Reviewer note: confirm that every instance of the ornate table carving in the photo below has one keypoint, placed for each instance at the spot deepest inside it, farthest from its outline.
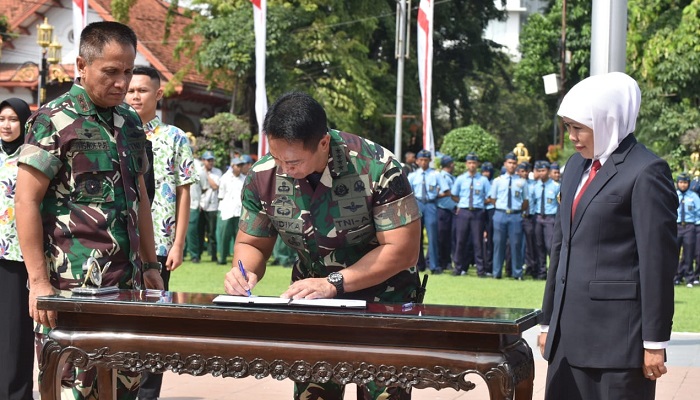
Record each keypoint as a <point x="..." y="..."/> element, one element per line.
<point x="426" y="346"/>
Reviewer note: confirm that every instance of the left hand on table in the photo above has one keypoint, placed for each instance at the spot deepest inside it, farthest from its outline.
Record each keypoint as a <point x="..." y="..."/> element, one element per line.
<point x="310" y="288"/>
<point x="153" y="280"/>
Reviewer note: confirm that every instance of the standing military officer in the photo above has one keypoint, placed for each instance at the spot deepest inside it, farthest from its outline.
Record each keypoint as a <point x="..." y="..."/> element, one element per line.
<point x="528" y="246"/>
<point x="546" y="206"/>
<point x="470" y="192"/>
<point x="428" y="186"/>
<point x="488" y="172"/>
<point x="446" y="212"/>
<point x="510" y="194"/>
<point x="80" y="187"/>
<point x="343" y="203"/>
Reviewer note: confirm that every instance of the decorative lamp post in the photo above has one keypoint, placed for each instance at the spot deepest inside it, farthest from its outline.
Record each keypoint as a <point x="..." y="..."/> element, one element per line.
<point x="44" y="35"/>
<point x="54" y="54"/>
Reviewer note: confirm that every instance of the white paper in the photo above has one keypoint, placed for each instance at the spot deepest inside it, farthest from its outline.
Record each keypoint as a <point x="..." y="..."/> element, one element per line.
<point x="336" y="303"/>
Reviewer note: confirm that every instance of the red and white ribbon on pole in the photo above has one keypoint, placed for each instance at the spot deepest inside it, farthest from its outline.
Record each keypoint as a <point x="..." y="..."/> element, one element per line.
<point x="425" y="68"/>
<point x="260" y="24"/>
<point x="80" y="9"/>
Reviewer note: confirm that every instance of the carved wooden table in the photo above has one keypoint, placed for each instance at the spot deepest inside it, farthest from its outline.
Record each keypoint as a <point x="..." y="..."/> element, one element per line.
<point x="408" y="346"/>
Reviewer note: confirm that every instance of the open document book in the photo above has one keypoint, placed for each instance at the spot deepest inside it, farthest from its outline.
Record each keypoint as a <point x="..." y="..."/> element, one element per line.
<point x="278" y="301"/>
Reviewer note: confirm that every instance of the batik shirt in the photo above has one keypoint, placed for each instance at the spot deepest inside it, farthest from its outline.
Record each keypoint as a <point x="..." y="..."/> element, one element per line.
<point x="92" y="158"/>
<point x="173" y="166"/>
<point x="361" y="192"/>
<point x="9" y="245"/>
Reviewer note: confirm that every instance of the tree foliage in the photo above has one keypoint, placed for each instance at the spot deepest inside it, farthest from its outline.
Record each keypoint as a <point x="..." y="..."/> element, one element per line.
<point x="473" y="138"/>
<point x="664" y="54"/>
<point x="220" y="134"/>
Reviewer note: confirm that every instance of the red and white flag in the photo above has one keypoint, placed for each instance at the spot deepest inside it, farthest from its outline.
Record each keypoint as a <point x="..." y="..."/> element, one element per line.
<point x="260" y="25"/>
<point x="80" y="9"/>
<point x="425" y="68"/>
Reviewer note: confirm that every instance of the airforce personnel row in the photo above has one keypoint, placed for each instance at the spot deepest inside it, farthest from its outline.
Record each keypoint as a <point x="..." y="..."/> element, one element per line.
<point x="688" y="228"/>
<point x="513" y="214"/>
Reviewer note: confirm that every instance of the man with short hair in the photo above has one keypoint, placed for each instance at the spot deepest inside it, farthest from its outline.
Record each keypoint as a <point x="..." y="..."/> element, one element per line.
<point x="470" y="191"/>
<point x="173" y="173"/>
<point x="509" y="193"/>
<point x="230" y="188"/>
<point x="428" y="186"/>
<point x="343" y="203"/>
<point x="445" y="214"/>
<point x="80" y="189"/>
<point x="546" y="206"/>
<point x="209" y="203"/>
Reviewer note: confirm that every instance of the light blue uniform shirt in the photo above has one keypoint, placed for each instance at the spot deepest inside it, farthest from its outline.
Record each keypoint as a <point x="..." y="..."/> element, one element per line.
<point x="691" y="202"/>
<point x="518" y="189"/>
<point x="531" y="183"/>
<point x="446" y="202"/>
<point x="434" y="184"/>
<point x="551" y="192"/>
<point x="461" y="188"/>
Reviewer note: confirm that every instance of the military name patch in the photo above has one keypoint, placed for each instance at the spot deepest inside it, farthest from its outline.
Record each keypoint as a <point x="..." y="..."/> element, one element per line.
<point x="288" y="224"/>
<point x="89" y="145"/>
<point x="345" y="223"/>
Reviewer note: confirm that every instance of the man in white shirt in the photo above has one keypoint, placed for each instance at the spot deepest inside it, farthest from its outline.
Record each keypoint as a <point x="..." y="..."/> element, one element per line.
<point x="230" y="188"/>
<point x="209" y="203"/>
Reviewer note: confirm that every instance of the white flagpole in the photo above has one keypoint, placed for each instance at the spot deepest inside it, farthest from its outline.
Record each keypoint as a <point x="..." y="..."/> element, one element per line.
<point x="425" y="68"/>
<point x="80" y="8"/>
<point x="260" y="24"/>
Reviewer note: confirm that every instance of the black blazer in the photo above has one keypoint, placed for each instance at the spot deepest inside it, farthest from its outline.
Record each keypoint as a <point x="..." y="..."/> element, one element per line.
<point x="610" y="282"/>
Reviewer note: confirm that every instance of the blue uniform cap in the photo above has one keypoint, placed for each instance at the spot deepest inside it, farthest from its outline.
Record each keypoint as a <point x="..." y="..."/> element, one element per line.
<point x="524" y="166"/>
<point x="487" y="166"/>
<point x="472" y="157"/>
<point x="511" y="156"/>
<point x="446" y="160"/>
<point x="236" y="161"/>
<point x="246" y="159"/>
<point x="554" y="166"/>
<point x="424" y="154"/>
<point x="541" y="164"/>
<point x="208" y="155"/>
<point x="683" y="177"/>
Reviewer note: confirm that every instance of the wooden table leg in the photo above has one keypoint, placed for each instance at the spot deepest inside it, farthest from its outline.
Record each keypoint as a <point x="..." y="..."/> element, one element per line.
<point x="106" y="383"/>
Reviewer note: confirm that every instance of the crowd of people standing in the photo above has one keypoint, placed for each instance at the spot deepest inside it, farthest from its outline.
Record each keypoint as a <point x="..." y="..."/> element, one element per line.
<point x="482" y="221"/>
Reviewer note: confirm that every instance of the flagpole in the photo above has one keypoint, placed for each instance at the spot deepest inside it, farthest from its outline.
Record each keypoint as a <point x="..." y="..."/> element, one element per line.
<point x="401" y="54"/>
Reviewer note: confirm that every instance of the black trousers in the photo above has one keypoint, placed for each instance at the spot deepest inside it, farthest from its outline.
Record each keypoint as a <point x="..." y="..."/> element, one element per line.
<point x="16" y="333"/>
<point x="567" y="382"/>
<point x="151" y="383"/>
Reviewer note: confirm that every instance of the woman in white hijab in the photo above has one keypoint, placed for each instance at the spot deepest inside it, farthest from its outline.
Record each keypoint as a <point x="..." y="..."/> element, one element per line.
<point x="608" y="302"/>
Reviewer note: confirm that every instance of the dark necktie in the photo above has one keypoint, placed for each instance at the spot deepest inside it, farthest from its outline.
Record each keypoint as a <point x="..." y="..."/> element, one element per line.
<point x="510" y="202"/>
<point x="594" y="170"/>
<point x="471" y="194"/>
<point x="424" y="194"/>
<point x="542" y="201"/>
<point x="683" y="208"/>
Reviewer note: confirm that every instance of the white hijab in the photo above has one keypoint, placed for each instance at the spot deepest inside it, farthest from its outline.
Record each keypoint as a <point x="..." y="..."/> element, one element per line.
<point x="608" y="104"/>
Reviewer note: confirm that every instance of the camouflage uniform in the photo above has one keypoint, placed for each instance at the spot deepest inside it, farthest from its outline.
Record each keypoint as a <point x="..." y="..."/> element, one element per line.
<point x="361" y="191"/>
<point x="93" y="159"/>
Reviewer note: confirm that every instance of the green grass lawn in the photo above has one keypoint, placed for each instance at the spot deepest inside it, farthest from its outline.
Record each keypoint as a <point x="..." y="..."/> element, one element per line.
<point x="208" y="277"/>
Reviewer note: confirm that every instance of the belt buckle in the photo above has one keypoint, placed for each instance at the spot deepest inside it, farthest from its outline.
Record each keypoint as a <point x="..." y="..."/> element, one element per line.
<point x="509" y="211"/>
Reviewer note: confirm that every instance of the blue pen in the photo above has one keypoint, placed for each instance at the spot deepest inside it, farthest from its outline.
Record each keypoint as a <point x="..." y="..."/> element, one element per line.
<point x="245" y="276"/>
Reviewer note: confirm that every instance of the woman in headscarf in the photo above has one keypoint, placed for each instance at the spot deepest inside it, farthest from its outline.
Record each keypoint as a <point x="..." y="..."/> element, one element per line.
<point x="608" y="302"/>
<point x="16" y="337"/>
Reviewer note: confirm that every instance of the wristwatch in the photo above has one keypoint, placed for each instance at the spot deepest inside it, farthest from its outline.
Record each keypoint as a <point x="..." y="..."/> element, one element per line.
<point x="336" y="279"/>
<point x="151" y="265"/>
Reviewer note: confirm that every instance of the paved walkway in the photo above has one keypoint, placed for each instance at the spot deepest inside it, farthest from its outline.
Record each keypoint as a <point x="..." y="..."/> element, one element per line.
<point x="679" y="384"/>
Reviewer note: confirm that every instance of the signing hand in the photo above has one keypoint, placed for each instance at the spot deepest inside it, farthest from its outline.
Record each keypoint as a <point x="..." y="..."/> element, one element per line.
<point x="153" y="280"/>
<point x="236" y="284"/>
